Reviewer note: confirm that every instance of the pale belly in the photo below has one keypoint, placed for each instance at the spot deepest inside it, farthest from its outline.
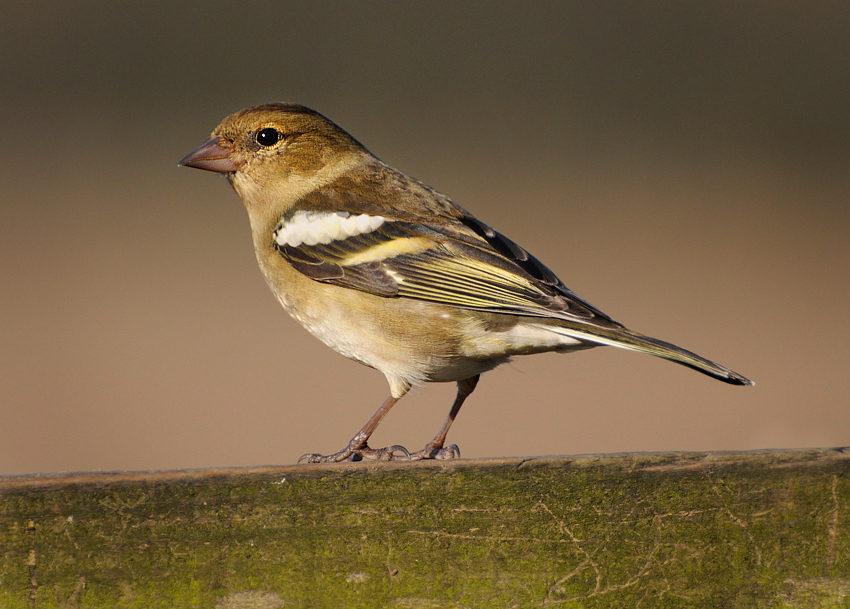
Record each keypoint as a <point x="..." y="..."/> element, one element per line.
<point x="410" y="341"/>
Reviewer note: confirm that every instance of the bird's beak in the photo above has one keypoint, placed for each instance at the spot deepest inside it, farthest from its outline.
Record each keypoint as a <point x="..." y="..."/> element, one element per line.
<point x="212" y="156"/>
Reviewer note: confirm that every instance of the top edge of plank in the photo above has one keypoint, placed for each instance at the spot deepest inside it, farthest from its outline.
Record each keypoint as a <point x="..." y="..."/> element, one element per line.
<point x="638" y="461"/>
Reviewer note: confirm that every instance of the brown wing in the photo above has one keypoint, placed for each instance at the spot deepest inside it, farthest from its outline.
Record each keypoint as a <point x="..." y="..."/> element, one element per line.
<point x="463" y="264"/>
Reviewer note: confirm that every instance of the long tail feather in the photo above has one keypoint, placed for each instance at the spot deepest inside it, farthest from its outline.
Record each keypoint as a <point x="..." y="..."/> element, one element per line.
<point x="627" y="339"/>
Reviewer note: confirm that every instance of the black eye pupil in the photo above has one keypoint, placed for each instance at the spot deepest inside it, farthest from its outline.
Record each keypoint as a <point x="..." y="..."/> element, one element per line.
<point x="268" y="136"/>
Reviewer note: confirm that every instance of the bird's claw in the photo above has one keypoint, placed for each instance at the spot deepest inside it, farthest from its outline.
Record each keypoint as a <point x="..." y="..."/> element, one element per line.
<point x="450" y="452"/>
<point x="390" y="451"/>
<point x="436" y="452"/>
<point x="359" y="454"/>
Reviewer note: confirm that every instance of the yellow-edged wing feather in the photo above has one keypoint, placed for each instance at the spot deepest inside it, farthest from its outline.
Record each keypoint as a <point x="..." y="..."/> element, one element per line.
<point x="467" y="264"/>
<point x="450" y="265"/>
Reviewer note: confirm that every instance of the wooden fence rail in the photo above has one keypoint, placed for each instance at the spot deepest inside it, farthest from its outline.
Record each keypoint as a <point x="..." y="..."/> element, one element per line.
<point x="725" y="530"/>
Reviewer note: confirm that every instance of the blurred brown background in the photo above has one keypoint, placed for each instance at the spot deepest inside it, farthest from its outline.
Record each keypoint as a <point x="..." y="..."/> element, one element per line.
<point x="683" y="166"/>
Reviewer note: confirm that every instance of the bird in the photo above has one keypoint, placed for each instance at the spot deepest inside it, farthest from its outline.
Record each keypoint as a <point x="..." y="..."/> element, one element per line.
<point x="389" y="272"/>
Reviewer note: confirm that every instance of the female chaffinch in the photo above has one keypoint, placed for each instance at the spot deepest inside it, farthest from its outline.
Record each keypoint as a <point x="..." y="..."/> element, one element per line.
<point x="391" y="273"/>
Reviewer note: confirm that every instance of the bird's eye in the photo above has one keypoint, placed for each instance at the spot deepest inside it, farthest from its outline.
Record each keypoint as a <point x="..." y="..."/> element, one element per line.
<point x="268" y="136"/>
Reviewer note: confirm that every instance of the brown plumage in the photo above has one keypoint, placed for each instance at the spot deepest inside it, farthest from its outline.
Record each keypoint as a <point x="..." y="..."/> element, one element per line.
<point x="393" y="274"/>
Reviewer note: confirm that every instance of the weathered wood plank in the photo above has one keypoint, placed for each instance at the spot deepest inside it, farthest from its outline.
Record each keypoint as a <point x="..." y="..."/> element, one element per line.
<point x="758" y="529"/>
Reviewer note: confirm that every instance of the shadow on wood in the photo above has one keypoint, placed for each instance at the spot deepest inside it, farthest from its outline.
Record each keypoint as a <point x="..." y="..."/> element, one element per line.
<point x="757" y="529"/>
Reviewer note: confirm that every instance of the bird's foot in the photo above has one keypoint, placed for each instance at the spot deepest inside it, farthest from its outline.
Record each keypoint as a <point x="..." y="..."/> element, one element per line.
<point x="359" y="453"/>
<point x="436" y="452"/>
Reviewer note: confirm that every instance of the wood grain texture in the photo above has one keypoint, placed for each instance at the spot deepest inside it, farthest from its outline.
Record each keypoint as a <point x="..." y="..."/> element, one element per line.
<point x="757" y="529"/>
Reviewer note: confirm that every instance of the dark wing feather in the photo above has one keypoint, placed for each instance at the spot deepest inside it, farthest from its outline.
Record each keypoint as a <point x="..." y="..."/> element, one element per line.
<point x="463" y="264"/>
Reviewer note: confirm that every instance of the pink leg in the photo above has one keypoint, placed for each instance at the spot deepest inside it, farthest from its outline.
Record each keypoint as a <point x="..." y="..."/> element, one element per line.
<point x="358" y="447"/>
<point x="434" y="449"/>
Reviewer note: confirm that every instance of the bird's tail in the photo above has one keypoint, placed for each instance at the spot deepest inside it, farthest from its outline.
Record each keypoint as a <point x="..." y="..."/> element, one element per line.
<point x="634" y="341"/>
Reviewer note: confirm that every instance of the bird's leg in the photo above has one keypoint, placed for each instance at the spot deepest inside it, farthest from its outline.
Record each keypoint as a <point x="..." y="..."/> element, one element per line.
<point x="358" y="447"/>
<point x="434" y="449"/>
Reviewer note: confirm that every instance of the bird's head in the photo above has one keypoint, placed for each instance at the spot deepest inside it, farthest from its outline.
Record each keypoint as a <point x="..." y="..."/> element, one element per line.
<point x="279" y="150"/>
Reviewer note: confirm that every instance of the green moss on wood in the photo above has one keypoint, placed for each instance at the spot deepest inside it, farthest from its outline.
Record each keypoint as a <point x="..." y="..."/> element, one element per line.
<point x="763" y="529"/>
